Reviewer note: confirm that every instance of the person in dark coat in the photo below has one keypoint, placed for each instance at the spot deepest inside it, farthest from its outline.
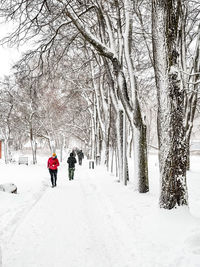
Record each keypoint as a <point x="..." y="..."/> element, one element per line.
<point x="71" y="166"/>
<point x="52" y="165"/>
<point x="80" y="156"/>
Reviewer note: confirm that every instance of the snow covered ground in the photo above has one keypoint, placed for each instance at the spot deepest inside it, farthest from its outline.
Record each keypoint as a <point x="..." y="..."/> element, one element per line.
<point x="94" y="220"/>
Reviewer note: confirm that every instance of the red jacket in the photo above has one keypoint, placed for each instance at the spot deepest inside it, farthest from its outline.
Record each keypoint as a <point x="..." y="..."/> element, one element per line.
<point x="52" y="163"/>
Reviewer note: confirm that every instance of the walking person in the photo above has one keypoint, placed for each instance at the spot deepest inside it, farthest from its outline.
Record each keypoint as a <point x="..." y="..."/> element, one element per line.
<point x="52" y="165"/>
<point x="80" y="156"/>
<point x="71" y="166"/>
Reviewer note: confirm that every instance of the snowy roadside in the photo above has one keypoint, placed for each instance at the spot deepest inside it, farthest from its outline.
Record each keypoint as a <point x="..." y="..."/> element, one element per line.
<point x="100" y="218"/>
<point x="31" y="182"/>
<point x="157" y="237"/>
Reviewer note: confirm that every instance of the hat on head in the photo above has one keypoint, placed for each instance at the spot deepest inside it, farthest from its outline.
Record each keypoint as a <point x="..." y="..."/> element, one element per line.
<point x="54" y="154"/>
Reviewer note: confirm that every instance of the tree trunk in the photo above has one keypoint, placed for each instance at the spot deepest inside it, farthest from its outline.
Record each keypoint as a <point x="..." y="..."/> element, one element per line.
<point x="171" y="131"/>
<point x="188" y="153"/>
<point x="98" y="145"/>
<point x="61" y="147"/>
<point x="116" y="162"/>
<point x="111" y="163"/>
<point x="140" y="150"/>
<point x="92" y="138"/>
<point x="108" y="127"/>
<point x="140" y="142"/>
<point x="33" y="146"/>
<point x="6" y="150"/>
<point x="52" y="143"/>
<point x="191" y="100"/>
<point x="140" y="159"/>
<point x="119" y="130"/>
<point x="125" y="162"/>
<point x="34" y="150"/>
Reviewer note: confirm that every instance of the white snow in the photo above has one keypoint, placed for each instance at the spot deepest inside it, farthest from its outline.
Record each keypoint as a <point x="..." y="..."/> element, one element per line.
<point x="94" y="220"/>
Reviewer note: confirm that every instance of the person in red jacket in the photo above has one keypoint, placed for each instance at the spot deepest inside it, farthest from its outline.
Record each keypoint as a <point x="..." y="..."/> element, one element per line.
<point x="52" y="165"/>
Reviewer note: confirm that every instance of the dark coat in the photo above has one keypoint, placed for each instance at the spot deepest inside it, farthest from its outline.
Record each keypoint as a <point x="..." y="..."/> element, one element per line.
<point x="71" y="161"/>
<point x="80" y="154"/>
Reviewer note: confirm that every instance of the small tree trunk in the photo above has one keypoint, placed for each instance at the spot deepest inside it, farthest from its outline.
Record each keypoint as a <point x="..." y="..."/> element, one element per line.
<point x="6" y="153"/>
<point x="92" y="136"/>
<point x="116" y="162"/>
<point x="140" y="159"/>
<point x="188" y="154"/>
<point x="125" y="162"/>
<point x="98" y="145"/>
<point x="108" y="139"/>
<point x="61" y="148"/>
<point x="112" y="157"/>
<point x="34" y="149"/>
<point x="119" y="130"/>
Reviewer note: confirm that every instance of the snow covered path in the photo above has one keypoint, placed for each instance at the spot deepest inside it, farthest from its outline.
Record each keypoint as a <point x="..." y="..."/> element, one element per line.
<point x="95" y="221"/>
<point x="69" y="226"/>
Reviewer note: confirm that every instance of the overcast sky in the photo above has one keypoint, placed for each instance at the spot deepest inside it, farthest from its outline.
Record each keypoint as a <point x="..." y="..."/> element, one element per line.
<point x="8" y="55"/>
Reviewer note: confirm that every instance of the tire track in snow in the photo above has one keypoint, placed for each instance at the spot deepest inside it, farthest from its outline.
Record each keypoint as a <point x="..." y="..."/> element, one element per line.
<point x="109" y="232"/>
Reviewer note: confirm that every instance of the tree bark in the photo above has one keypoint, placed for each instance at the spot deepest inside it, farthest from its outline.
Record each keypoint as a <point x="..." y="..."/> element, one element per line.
<point x="140" y="142"/>
<point x="33" y="145"/>
<point x="166" y="16"/>
<point x="191" y="99"/>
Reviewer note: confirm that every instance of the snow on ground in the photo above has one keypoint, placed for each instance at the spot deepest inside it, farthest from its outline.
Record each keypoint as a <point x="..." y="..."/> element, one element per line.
<point x="94" y="220"/>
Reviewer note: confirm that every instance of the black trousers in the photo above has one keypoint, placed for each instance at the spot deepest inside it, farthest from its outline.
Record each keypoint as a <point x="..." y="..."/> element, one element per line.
<point x="80" y="161"/>
<point x="53" y="174"/>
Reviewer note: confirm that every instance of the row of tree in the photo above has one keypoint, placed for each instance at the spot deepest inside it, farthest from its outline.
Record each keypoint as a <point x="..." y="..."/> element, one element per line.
<point x="102" y="71"/>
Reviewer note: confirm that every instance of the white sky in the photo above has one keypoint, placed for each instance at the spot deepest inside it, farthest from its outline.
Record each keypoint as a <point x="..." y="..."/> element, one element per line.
<point x="8" y="55"/>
